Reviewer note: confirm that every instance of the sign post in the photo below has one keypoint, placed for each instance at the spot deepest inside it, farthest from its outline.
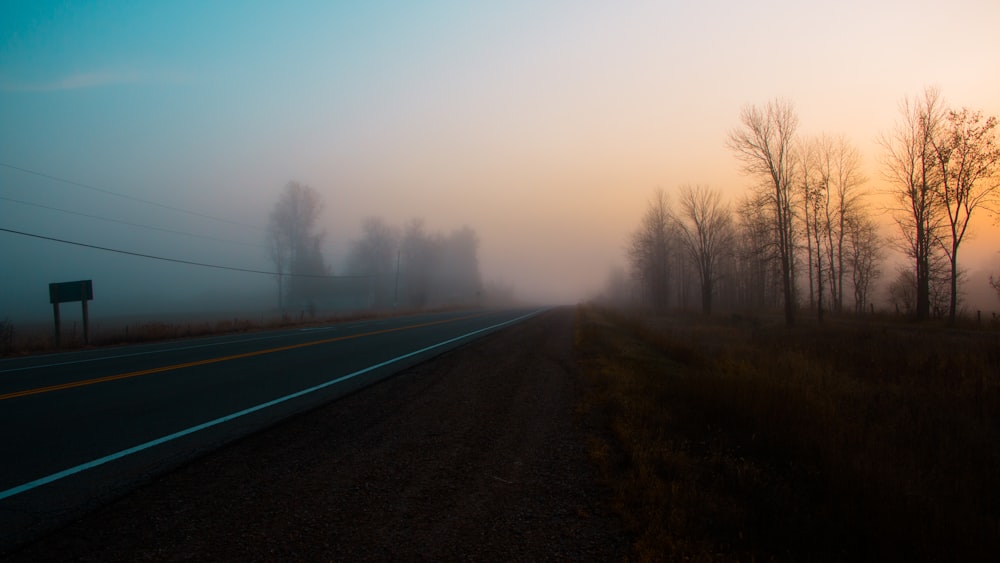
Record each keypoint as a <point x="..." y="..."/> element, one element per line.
<point x="64" y="292"/>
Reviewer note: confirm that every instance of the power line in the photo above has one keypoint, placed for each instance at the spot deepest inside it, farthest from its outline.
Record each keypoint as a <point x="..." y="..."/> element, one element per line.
<point x="179" y="261"/>
<point x="125" y="196"/>
<point x="150" y="227"/>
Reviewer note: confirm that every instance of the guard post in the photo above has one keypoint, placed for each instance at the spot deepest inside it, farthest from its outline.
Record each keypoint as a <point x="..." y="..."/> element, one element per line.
<point x="65" y="292"/>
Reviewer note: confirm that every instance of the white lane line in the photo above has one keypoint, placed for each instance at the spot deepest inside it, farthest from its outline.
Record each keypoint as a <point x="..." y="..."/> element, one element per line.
<point x="169" y="437"/>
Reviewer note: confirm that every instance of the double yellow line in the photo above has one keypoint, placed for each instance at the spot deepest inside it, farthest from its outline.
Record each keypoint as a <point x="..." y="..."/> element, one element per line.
<point x="105" y="379"/>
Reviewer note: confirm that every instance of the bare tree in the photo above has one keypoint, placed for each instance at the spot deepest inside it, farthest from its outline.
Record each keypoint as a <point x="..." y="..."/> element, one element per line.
<point x="818" y="202"/>
<point x="458" y="279"/>
<point x="375" y="256"/>
<point x="967" y="155"/>
<point x="903" y="291"/>
<point x="706" y="233"/>
<point x="617" y="289"/>
<point x="649" y="252"/>
<point x="909" y="164"/>
<point x="864" y="256"/>
<point x="755" y="264"/>
<point x="764" y="145"/>
<point x="293" y="241"/>
<point x="841" y="163"/>
<point x="808" y="185"/>
<point x="279" y="248"/>
<point x="417" y="267"/>
<point x="419" y="251"/>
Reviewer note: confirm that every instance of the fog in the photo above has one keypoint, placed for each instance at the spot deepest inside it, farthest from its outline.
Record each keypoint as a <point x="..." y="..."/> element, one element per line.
<point x="545" y="129"/>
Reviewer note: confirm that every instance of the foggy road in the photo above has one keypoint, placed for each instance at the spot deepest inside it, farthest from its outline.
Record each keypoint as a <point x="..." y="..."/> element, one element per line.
<point x="79" y="428"/>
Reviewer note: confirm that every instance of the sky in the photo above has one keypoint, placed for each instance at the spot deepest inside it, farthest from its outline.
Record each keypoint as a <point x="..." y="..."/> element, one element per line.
<point x="545" y="126"/>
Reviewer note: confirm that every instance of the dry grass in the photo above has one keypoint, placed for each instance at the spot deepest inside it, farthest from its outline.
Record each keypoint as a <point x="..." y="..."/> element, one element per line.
<point x="40" y="338"/>
<point x="6" y="336"/>
<point x="735" y="441"/>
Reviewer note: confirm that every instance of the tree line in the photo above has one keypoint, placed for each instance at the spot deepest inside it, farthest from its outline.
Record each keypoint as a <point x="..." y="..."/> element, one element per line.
<point x="807" y="218"/>
<point x="386" y="266"/>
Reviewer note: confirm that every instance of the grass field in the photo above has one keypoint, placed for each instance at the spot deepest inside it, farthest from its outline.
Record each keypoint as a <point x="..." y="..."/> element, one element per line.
<point x="39" y="338"/>
<point x="728" y="440"/>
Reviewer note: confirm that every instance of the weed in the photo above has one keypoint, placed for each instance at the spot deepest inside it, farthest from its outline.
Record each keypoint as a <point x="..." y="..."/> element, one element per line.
<point x="6" y="336"/>
<point x="39" y="339"/>
<point x="816" y="443"/>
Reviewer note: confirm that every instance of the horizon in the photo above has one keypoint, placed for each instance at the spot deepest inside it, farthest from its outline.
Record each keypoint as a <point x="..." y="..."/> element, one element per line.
<point x="545" y="128"/>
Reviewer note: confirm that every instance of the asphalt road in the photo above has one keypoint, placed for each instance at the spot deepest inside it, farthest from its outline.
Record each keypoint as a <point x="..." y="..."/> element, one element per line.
<point x="79" y="429"/>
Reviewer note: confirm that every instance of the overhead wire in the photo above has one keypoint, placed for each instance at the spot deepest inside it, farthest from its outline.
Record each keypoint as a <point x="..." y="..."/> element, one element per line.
<point x="180" y="261"/>
<point x="140" y="225"/>
<point x="129" y="197"/>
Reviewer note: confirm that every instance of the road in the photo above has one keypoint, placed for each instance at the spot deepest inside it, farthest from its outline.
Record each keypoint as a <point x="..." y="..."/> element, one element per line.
<point x="77" y="429"/>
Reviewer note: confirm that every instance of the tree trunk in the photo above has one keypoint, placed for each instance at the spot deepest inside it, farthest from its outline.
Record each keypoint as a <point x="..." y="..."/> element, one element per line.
<point x="953" y="305"/>
<point x="819" y="290"/>
<point x="706" y="297"/>
<point x="923" y="275"/>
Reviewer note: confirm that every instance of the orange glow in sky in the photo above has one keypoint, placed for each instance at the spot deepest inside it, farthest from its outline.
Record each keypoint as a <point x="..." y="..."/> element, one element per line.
<point x="546" y="126"/>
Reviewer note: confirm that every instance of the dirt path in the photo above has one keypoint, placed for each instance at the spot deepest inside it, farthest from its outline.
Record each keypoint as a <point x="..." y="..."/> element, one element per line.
<point x="476" y="455"/>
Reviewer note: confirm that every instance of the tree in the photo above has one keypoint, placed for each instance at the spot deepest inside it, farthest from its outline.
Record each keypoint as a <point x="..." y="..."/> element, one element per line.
<point x="909" y="164"/>
<point x="813" y="173"/>
<point x="706" y="233"/>
<point x="967" y="154"/>
<point x="617" y="290"/>
<point x="903" y="291"/>
<point x="310" y="275"/>
<point x="809" y="186"/>
<point x="828" y="181"/>
<point x="764" y="145"/>
<point x="649" y="252"/>
<point x="458" y="279"/>
<point x="375" y="256"/>
<point x="419" y="252"/>
<point x="416" y="267"/>
<point x="294" y="243"/>
<point x="864" y="256"/>
<point x="841" y="165"/>
<point x="756" y="260"/>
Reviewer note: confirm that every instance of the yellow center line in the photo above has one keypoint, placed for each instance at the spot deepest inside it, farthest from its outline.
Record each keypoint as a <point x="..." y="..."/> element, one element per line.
<point x="85" y="382"/>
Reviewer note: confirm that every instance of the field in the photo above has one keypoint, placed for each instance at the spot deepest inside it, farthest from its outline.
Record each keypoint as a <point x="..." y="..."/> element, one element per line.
<point x="731" y="439"/>
<point x="114" y="331"/>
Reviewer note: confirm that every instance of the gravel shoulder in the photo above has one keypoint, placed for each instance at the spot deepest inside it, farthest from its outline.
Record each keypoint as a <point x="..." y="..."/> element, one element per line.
<point x="476" y="455"/>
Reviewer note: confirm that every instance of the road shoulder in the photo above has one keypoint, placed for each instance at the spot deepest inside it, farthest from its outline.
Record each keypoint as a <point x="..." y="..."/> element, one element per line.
<point x="475" y="455"/>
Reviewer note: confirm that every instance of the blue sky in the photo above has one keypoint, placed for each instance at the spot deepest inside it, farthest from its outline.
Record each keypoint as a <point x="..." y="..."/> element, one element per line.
<point x="544" y="125"/>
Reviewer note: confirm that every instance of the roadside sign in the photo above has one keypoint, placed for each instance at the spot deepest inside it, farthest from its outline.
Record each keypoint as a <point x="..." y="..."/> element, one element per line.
<point x="64" y="292"/>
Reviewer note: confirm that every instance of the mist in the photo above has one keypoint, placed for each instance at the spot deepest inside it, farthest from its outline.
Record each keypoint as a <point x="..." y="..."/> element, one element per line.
<point x="170" y="132"/>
